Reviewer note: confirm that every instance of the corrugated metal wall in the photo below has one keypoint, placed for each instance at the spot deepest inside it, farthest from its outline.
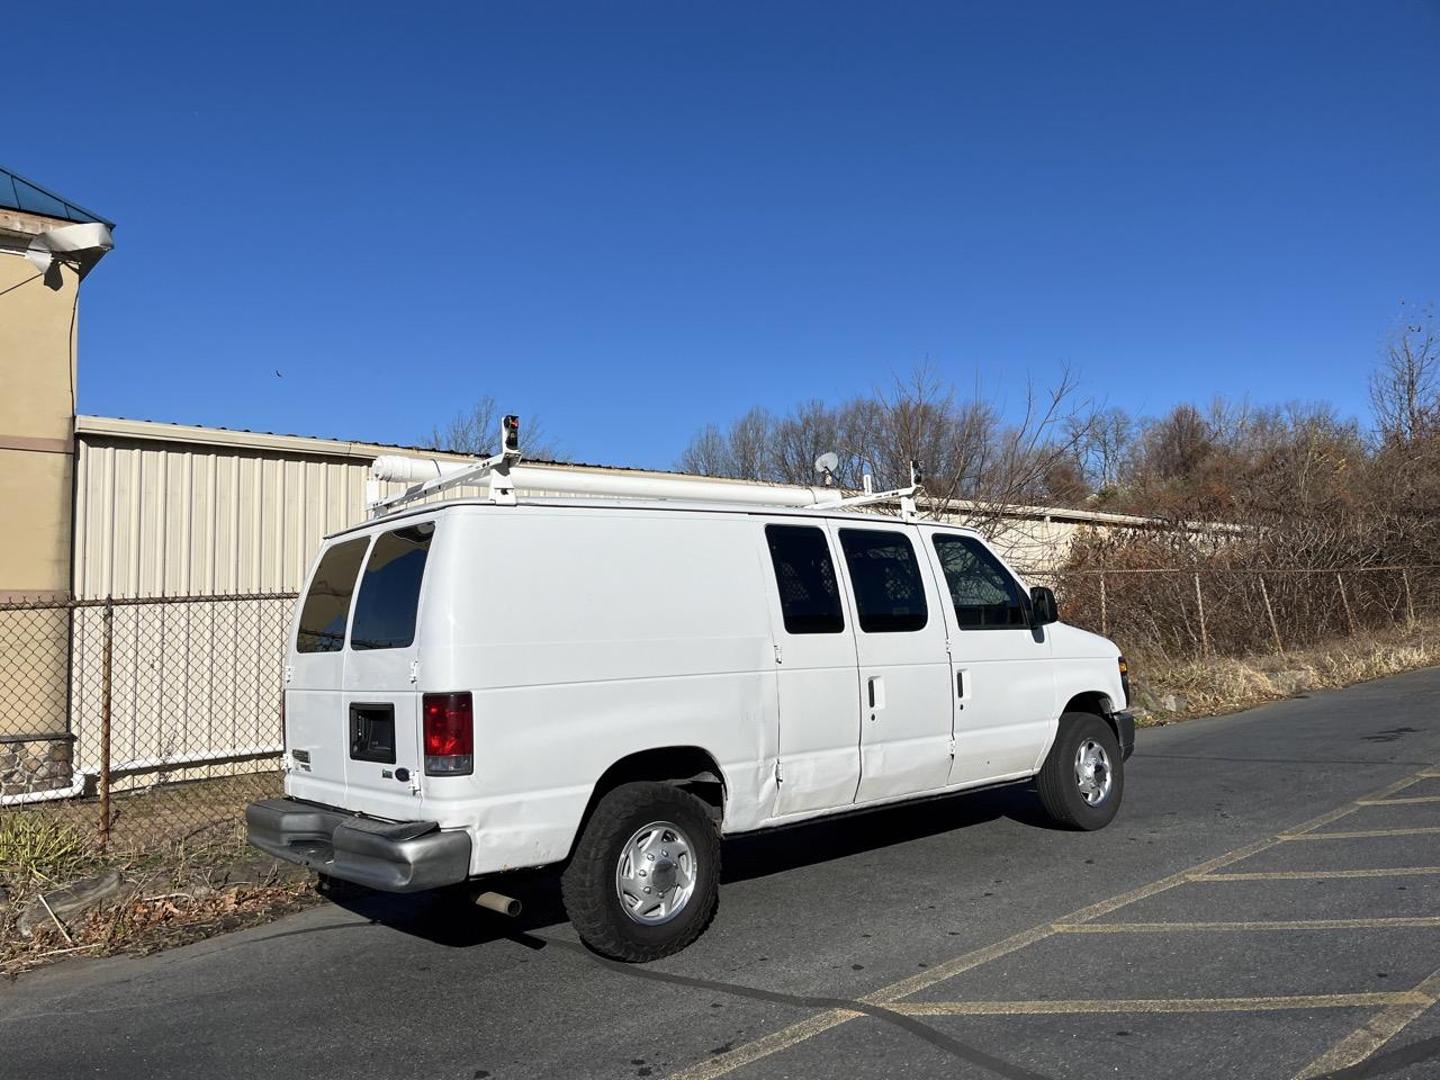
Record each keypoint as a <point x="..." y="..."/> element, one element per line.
<point x="161" y="518"/>
<point x="167" y="519"/>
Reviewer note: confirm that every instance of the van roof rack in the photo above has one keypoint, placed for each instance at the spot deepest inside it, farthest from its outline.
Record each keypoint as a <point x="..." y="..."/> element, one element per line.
<point x="502" y="473"/>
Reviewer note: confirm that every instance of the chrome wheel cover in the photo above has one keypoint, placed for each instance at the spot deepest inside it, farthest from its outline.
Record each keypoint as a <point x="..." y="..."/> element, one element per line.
<point x="656" y="873"/>
<point x="1093" y="774"/>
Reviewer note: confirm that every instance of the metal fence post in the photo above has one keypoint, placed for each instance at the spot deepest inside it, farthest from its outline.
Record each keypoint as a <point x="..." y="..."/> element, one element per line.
<point x="1104" y="611"/>
<point x="106" y="681"/>
<point x="1204" y="633"/>
<point x="1270" y="613"/>
<point x="1409" y="603"/>
<point x="1349" y="615"/>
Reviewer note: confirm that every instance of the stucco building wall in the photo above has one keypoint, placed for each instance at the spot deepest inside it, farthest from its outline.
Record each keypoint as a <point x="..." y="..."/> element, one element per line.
<point x="37" y="381"/>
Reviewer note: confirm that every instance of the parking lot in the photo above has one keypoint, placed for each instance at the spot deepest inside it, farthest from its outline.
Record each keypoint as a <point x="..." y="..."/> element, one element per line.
<point x="1267" y="905"/>
<point x="1294" y="929"/>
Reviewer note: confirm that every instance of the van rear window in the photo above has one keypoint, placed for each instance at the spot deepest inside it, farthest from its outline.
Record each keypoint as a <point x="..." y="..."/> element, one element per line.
<point x="327" y="604"/>
<point x="390" y="590"/>
<point x="809" y="597"/>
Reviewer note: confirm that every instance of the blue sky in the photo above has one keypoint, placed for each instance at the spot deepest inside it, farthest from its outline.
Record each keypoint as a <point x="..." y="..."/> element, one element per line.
<point x="635" y="218"/>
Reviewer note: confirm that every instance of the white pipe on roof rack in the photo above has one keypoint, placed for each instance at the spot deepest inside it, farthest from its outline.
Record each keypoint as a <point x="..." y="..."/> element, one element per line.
<point x="624" y="485"/>
<point x="563" y="481"/>
<point x="413" y="470"/>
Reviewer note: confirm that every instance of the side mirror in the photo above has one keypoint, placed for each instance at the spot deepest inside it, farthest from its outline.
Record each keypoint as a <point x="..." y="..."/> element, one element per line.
<point x="1043" y="610"/>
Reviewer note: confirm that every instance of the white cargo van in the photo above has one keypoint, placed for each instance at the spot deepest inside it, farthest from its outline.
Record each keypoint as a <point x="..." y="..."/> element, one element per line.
<point x="479" y="686"/>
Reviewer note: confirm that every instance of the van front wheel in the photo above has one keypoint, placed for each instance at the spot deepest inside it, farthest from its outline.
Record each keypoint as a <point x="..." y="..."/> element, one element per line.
<point x="645" y="879"/>
<point x="1083" y="778"/>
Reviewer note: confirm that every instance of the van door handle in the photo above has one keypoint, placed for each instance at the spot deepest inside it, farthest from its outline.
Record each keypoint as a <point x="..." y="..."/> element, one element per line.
<point x="875" y="688"/>
<point x="959" y="684"/>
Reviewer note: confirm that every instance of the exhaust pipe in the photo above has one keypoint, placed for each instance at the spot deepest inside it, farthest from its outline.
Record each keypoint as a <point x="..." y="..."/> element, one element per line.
<point x="505" y="905"/>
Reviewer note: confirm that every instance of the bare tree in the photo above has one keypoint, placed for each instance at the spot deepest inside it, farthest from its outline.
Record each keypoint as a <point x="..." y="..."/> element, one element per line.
<point x="969" y="456"/>
<point x="994" y="467"/>
<point x="1103" y="442"/>
<point x="1405" y="391"/>
<point x="743" y="451"/>
<point x="1177" y="445"/>
<point x="751" y="449"/>
<point x="708" y="453"/>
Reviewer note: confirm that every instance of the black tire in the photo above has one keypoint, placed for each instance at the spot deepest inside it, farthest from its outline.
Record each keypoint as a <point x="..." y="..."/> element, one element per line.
<point x="1058" y="784"/>
<point x="589" y="883"/>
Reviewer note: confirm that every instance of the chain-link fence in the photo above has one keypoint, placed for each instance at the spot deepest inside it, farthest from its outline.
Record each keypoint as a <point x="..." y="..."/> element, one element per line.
<point x="152" y="721"/>
<point x="1187" y="614"/>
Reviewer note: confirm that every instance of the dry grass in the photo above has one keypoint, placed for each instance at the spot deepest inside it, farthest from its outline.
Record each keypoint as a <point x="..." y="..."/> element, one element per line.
<point x="1224" y="684"/>
<point x="205" y="881"/>
<point x="40" y="847"/>
<point x="181" y="896"/>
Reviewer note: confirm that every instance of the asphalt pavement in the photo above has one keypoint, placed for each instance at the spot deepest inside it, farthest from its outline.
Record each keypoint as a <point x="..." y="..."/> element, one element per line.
<point x="1267" y="904"/>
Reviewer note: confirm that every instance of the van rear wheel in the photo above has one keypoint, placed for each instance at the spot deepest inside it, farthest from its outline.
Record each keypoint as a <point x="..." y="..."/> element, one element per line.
<point x="1083" y="778"/>
<point x="645" y="878"/>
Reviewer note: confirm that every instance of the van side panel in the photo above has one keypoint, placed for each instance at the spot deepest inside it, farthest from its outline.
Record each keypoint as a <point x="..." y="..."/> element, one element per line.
<point x="587" y="636"/>
<point x="1084" y="663"/>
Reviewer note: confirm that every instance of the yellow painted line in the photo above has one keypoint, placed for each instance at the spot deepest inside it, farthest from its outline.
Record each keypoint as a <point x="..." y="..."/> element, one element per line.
<point x="1310" y="875"/>
<point x="810" y="1027"/>
<point x="1374" y="1033"/>
<point x="1418" y="922"/>
<point x="1409" y="800"/>
<point x="766" y="1045"/>
<point x="1406" y="998"/>
<point x="1363" y="834"/>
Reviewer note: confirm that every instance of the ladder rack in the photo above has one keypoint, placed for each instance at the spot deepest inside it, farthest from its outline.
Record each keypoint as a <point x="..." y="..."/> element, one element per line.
<point x="501" y="475"/>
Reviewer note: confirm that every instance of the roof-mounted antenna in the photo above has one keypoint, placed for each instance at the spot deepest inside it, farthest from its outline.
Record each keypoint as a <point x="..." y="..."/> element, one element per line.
<point x="825" y="465"/>
<point x="434" y="477"/>
<point x="905" y="495"/>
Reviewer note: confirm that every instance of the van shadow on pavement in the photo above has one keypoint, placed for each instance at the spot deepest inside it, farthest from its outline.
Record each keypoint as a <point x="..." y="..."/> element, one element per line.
<point x="447" y="917"/>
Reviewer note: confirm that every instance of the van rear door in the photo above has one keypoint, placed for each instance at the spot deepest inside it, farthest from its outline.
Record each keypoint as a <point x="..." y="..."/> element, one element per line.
<point x="314" y="736"/>
<point x="381" y="702"/>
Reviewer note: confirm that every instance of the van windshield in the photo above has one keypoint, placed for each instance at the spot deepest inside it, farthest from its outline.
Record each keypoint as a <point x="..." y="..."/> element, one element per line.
<point x="327" y="604"/>
<point x="390" y="591"/>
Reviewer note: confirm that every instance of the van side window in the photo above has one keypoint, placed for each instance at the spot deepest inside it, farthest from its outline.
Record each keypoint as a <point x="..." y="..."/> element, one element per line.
<point x="390" y="590"/>
<point x="805" y="575"/>
<point x="327" y="604"/>
<point x="985" y="596"/>
<point x="889" y="592"/>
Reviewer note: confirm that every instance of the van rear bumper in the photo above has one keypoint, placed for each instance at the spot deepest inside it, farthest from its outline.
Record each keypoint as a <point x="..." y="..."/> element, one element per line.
<point x="392" y="856"/>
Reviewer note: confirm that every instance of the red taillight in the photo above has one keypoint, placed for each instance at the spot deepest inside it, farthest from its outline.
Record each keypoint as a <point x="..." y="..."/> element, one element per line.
<point x="449" y="734"/>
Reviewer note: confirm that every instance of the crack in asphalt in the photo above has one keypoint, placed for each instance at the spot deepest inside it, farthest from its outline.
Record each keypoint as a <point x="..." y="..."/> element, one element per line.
<point x="908" y="1024"/>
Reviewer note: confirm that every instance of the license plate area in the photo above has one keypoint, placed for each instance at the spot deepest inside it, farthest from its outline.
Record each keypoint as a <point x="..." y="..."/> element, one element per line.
<point x="372" y="733"/>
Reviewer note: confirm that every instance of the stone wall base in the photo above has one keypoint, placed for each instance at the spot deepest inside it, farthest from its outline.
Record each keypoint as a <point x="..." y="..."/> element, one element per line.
<point x="35" y="763"/>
